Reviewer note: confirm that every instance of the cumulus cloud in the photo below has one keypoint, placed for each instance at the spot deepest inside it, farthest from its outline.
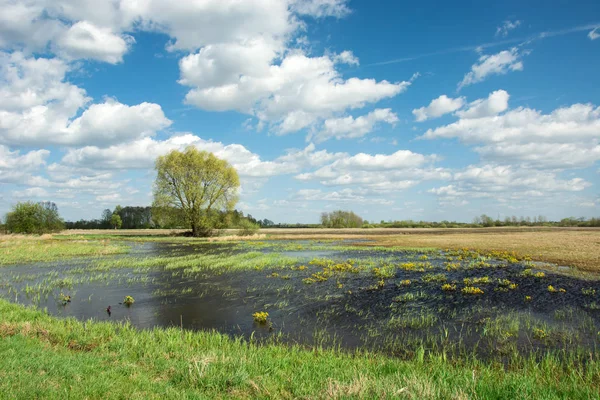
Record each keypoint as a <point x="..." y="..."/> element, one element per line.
<point x="292" y="95"/>
<point x="496" y="103"/>
<point x="14" y="166"/>
<point x="379" y="173"/>
<point x="341" y="196"/>
<point x="568" y="137"/>
<point x="321" y="8"/>
<point x="37" y="107"/>
<point x="142" y="153"/>
<point x="84" y="40"/>
<point x="350" y="127"/>
<point x="241" y="55"/>
<point x="505" y="184"/>
<point x="495" y="64"/>
<point x="438" y="107"/>
<point x="506" y="27"/>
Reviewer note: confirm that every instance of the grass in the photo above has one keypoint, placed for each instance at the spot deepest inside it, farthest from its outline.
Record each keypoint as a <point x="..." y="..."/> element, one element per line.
<point x="30" y="249"/>
<point x="45" y="357"/>
<point x="578" y="248"/>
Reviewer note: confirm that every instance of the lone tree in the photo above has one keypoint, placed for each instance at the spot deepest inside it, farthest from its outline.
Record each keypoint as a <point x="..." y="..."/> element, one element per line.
<point x="115" y="221"/>
<point x="197" y="183"/>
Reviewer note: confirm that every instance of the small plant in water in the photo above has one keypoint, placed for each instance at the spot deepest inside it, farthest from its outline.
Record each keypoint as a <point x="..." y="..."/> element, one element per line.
<point x="405" y="282"/>
<point x="528" y="272"/>
<point x="65" y="298"/>
<point x="260" y="317"/>
<point x="480" y="280"/>
<point x="588" y="291"/>
<point x="447" y="287"/>
<point x="128" y="300"/>
<point x="527" y="299"/>
<point x="539" y="334"/>
<point x="552" y="289"/>
<point x="434" y="278"/>
<point x="471" y="290"/>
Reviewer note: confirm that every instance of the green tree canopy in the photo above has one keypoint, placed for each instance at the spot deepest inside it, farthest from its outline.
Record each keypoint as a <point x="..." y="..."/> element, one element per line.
<point x="197" y="183"/>
<point x="115" y="221"/>
<point x="31" y="217"/>
<point x="341" y="219"/>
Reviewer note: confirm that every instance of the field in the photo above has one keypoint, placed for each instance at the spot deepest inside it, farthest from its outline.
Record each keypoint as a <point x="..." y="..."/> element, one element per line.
<point x="490" y="313"/>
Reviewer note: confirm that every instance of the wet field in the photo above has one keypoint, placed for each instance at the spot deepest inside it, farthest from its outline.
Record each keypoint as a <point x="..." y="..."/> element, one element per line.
<point x="333" y="294"/>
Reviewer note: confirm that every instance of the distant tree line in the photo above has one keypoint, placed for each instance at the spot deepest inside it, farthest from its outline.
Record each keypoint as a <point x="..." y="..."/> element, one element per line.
<point x="132" y="217"/>
<point x="487" y="221"/>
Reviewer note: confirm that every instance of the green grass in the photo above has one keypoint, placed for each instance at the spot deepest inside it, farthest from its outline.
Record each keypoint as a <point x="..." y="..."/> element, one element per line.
<point x="202" y="262"/>
<point x="46" y="357"/>
<point x="15" y="251"/>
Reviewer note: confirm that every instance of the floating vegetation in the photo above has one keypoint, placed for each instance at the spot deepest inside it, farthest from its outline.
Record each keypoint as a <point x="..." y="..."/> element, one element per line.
<point x="476" y="281"/>
<point x="552" y="289"/>
<point x="471" y="290"/>
<point x="529" y="273"/>
<point x="588" y="291"/>
<point x="261" y="317"/>
<point x="448" y="287"/>
<point x="65" y="298"/>
<point x="527" y="299"/>
<point x="429" y="278"/>
<point x="128" y="300"/>
<point x="405" y="282"/>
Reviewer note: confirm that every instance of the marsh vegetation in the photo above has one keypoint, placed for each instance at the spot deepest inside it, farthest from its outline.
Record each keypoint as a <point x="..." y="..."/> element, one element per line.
<point x="448" y="308"/>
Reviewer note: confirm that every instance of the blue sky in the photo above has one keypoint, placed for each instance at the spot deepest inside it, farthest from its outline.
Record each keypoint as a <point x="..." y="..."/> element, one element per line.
<point x="433" y="111"/>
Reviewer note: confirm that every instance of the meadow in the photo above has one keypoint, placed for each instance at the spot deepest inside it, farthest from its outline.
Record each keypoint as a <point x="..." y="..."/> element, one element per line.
<point x="496" y="313"/>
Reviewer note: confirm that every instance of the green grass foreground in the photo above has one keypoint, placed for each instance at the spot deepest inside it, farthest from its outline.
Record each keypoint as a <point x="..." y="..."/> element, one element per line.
<point x="47" y="357"/>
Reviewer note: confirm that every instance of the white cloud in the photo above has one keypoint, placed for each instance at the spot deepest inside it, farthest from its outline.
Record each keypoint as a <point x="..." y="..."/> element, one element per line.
<point x="350" y="127"/>
<point x="506" y="27"/>
<point x="113" y="122"/>
<point x="340" y="196"/>
<point x="496" y="103"/>
<point x="568" y="137"/>
<point x="347" y="57"/>
<point x="29" y="161"/>
<point x="14" y="167"/>
<point x="593" y="35"/>
<point x="84" y="40"/>
<point x="495" y="64"/>
<point x="575" y="122"/>
<point x="378" y="173"/>
<point x="293" y="95"/>
<point x="438" y="107"/>
<point x="33" y="192"/>
<point x="38" y="107"/>
<point x="142" y="153"/>
<point x="321" y="8"/>
<point x="505" y="184"/>
<point x="240" y="53"/>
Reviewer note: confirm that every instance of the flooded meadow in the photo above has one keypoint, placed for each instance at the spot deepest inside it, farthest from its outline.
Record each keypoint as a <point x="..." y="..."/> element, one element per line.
<point x="330" y="294"/>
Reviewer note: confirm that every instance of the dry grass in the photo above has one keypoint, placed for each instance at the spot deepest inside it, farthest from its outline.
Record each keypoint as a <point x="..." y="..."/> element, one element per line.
<point x="579" y="248"/>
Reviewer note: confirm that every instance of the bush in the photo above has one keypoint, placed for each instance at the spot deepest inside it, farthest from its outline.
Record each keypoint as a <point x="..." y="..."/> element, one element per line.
<point x="247" y="228"/>
<point x="31" y="217"/>
<point x="341" y="219"/>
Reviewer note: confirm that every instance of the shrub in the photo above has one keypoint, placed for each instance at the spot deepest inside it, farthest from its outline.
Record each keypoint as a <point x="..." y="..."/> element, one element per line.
<point x="31" y="217"/>
<point x="247" y="228"/>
